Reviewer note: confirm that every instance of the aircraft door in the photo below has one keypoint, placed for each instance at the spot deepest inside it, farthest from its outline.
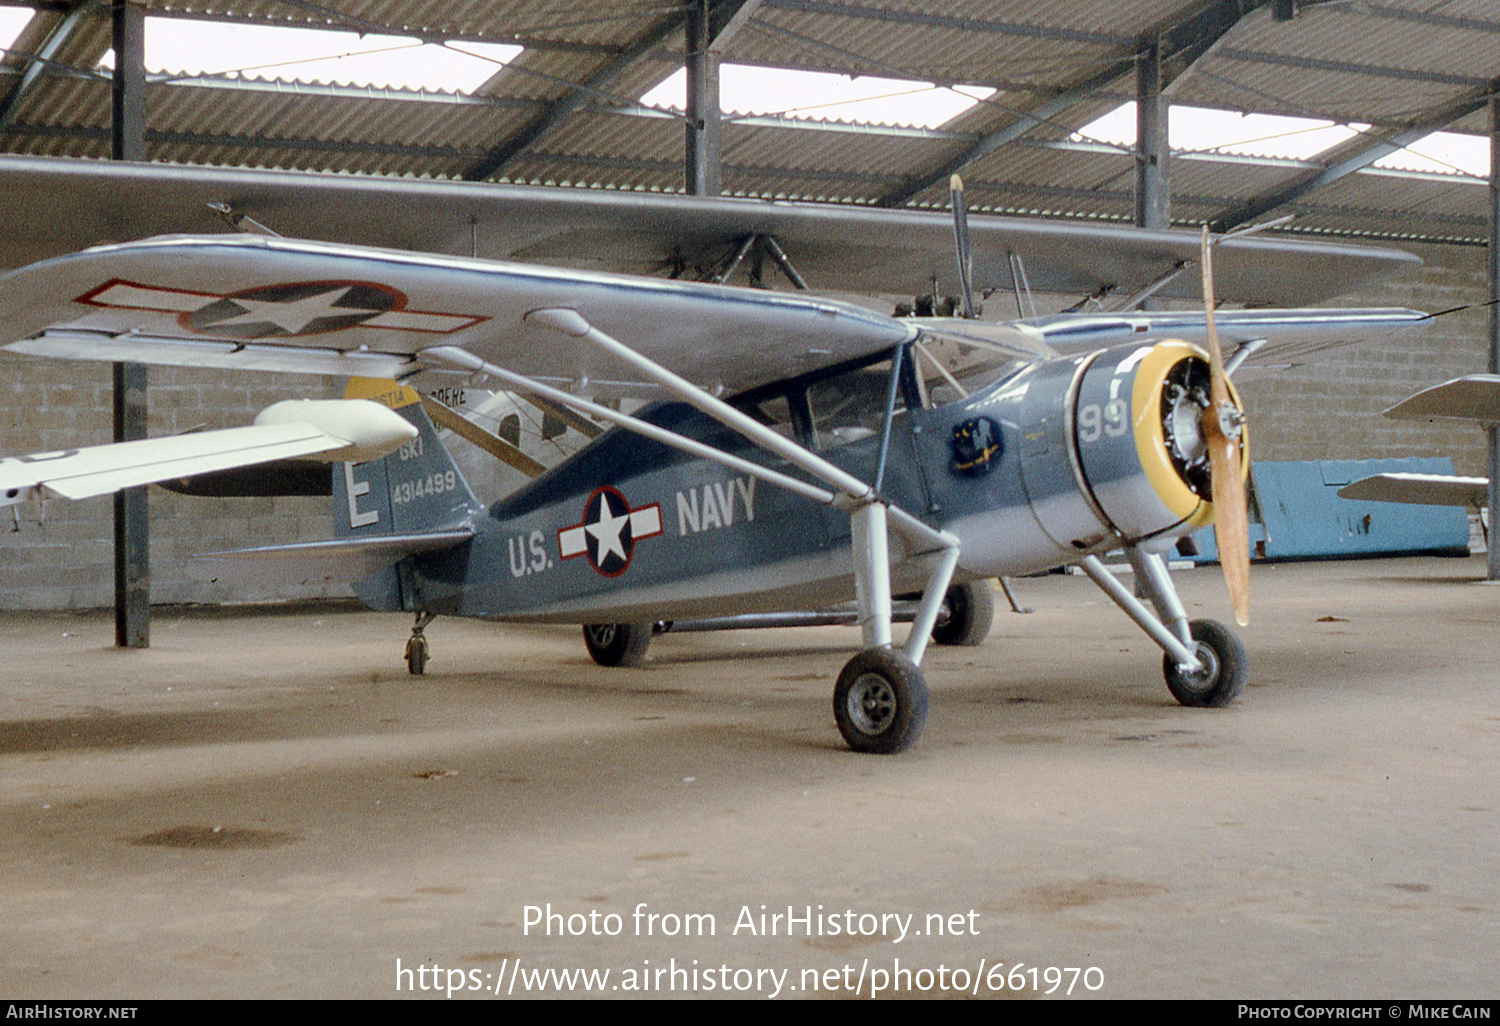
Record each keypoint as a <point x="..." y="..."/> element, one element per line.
<point x="847" y="415"/>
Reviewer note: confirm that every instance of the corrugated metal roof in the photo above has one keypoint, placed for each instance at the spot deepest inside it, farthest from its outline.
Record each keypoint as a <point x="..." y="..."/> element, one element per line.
<point x="1392" y="63"/>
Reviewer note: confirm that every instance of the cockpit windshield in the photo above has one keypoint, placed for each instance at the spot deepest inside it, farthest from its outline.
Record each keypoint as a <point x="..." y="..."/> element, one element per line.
<point x="952" y="365"/>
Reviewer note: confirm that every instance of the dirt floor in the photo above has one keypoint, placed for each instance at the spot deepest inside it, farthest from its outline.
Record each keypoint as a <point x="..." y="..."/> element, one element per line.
<point x="264" y="804"/>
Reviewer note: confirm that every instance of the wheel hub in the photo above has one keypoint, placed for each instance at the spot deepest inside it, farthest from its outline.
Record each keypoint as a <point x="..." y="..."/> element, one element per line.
<point x="872" y="703"/>
<point x="1207" y="674"/>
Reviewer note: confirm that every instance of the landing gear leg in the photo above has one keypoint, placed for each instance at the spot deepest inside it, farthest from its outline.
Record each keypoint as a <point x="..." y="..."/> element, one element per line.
<point x="880" y="700"/>
<point x="1205" y="663"/>
<point x="416" y="645"/>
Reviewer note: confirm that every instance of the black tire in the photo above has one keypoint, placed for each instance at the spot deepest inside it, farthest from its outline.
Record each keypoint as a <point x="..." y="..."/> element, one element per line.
<point x="880" y="702"/>
<point x="971" y="611"/>
<point x="416" y="655"/>
<point x="1226" y="668"/>
<point x="617" y="644"/>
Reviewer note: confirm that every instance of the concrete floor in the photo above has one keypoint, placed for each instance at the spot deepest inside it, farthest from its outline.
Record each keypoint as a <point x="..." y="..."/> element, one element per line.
<point x="264" y="805"/>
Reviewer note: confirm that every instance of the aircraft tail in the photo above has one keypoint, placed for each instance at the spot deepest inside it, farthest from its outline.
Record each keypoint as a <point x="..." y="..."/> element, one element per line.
<point x="414" y="490"/>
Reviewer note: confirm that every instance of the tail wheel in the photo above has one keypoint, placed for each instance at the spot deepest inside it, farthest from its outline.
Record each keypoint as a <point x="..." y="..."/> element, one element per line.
<point x="416" y="655"/>
<point x="617" y="644"/>
<point x="1225" y="670"/>
<point x="970" y="610"/>
<point x="880" y="702"/>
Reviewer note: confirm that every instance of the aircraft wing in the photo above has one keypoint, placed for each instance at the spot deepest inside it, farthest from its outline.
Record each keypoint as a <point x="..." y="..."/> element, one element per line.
<point x="101" y="469"/>
<point x="242" y="301"/>
<point x="834" y="247"/>
<point x="1276" y="340"/>
<point x="1475" y="397"/>
<point x="1420" y="489"/>
<point x="330" y="430"/>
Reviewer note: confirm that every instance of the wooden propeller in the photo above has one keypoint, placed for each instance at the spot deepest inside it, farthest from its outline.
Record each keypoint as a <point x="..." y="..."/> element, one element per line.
<point x="1222" y="424"/>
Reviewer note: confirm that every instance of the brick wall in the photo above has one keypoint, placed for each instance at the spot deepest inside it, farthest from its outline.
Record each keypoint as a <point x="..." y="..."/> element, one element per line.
<point x="1328" y="410"/>
<point x="1333" y="410"/>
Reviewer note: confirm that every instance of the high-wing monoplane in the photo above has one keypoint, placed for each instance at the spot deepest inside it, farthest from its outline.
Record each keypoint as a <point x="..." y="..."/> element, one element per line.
<point x="800" y="451"/>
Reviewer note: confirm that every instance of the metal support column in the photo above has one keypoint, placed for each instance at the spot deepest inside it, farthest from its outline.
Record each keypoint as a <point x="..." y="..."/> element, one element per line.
<point x="1153" y="198"/>
<point x="1493" y="431"/>
<point x="132" y="518"/>
<point x="703" y="118"/>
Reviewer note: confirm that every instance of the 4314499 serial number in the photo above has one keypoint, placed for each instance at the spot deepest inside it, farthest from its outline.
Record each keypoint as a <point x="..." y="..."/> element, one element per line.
<point x="432" y="484"/>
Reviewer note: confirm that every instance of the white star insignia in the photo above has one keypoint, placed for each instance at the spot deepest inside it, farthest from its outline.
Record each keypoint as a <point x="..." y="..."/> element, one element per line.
<point x="606" y="530"/>
<point x="293" y="317"/>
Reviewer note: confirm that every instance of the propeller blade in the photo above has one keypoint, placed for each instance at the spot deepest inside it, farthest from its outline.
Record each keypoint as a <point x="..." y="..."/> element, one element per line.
<point x="1221" y="430"/>
<point x="961" y="244"/>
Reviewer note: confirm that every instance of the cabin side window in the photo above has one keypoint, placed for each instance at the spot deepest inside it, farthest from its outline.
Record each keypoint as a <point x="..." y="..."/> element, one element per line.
<point x="775" y="413"/>
<point x="850" y="406"/>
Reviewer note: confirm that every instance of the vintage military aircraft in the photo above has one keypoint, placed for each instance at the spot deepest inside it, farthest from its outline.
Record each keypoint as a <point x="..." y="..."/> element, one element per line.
<point x="802" y="450"/>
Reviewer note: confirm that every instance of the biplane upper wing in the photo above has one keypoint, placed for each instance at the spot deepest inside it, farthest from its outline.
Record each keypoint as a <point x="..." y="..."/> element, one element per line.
<point x="1474" y="397"/>
<point x="51" y="206"/>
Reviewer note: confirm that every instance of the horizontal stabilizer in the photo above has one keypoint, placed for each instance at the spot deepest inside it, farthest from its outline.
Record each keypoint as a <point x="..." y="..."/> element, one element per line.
<point x="1475" y="397"/>
<point x="343" y="559"/>
<point x="1420" y="489"/>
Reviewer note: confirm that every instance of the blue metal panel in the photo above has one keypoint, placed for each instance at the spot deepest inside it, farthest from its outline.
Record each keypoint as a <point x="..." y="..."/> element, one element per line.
<point x="1305" y="518"/>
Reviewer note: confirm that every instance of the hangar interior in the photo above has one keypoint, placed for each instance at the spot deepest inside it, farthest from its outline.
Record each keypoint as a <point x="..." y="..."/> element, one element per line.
<point x="1364" y="121"/>
<point x="265" y="804"/>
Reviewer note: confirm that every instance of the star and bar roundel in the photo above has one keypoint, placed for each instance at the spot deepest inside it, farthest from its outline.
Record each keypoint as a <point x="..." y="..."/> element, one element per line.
<point x="609" y="530"/>
<point x="287" y="310"/>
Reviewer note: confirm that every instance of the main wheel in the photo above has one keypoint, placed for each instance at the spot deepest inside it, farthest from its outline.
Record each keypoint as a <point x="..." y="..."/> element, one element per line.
<point x="1226" y="667"/>
<point x="416" y="655"/>
<point x="880" y="702"/>
<point x="617" y="644"/>
<point x="971" y="611"/>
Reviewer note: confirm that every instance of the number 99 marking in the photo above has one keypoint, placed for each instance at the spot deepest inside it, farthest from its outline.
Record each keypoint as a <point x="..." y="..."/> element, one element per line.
<point x="1095" y="422"/>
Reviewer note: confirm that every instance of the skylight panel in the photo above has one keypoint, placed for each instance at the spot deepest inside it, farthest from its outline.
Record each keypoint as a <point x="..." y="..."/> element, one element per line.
<point x="1444" y="153"/>
<point x="1203" y="130"/>
<point x="175" y="45"/>
<point x="12" y="21"/>
<point x="821" y="95"/>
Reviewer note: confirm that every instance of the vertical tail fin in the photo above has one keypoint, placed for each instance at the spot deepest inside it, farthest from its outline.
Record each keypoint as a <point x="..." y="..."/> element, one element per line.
<point x="417" y="488"/>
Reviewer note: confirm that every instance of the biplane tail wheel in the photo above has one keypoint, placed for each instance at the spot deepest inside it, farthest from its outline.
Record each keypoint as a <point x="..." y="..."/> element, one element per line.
<point x="1226" y="667"/>
<point x="880" y="702"/>
<point x="617" y="644"/>
<point x="970" y="610"/>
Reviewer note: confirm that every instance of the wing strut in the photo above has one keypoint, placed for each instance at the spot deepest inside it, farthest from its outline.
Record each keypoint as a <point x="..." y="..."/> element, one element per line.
<point x="869" y="512"/>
